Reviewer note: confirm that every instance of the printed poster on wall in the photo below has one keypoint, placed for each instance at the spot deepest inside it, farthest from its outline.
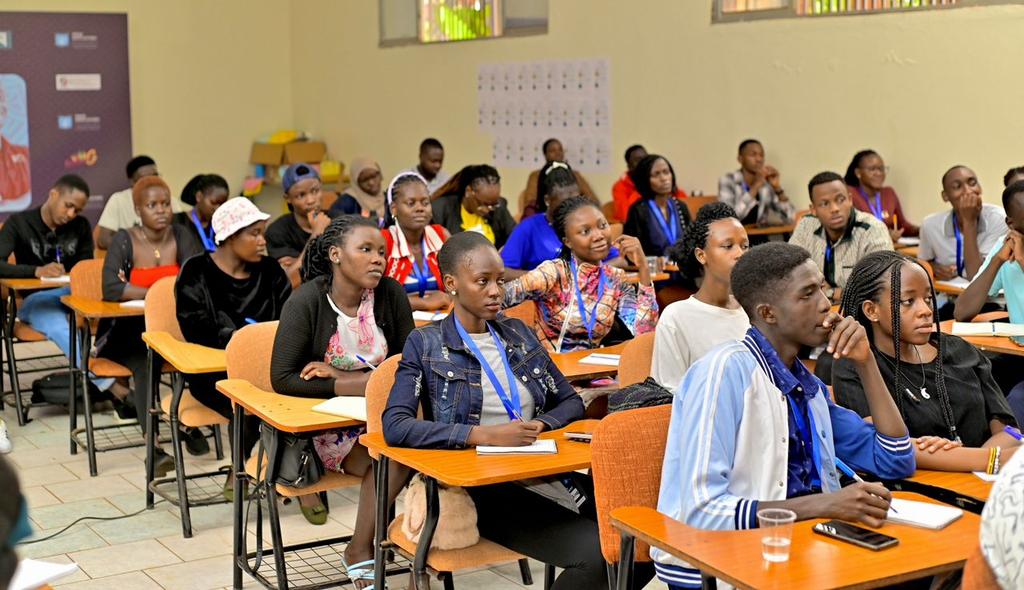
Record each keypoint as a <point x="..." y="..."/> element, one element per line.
<point x="65" y="105"/>
<point x="523" y="104"/>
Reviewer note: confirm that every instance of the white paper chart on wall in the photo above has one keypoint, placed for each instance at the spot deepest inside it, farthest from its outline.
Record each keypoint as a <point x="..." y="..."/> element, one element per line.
<point x="522" y="104"/>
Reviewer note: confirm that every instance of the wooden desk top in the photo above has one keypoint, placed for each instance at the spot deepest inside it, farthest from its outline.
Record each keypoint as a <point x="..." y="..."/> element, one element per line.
<point x="30" y="284"/>
<point x="998" y="344"/>
<point x="570" y="366"/>
<point x="634" y="277"/>
<point x="908" y="250"/>
<point x="815" y="561"/>
<point x="464" y="468"/>
<point x="967" y="484"/>
<point x="93" y="310"/>
<point x="284" y="412"/>
<point x="186" y="357"/>
<point x="754" y="230"/>
<point x="942" y="287"/>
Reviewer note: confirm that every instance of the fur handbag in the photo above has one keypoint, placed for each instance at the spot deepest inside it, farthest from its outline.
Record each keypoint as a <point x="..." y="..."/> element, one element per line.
<point x="456" y="526"/>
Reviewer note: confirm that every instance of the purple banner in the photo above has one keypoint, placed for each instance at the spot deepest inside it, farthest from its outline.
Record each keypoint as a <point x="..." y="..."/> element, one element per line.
<point x="65" y="105"/>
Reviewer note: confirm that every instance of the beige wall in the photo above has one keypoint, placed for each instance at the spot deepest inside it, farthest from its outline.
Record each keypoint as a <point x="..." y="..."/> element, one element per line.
<point x="207" y="76"/>
<point x="926" y="90"/>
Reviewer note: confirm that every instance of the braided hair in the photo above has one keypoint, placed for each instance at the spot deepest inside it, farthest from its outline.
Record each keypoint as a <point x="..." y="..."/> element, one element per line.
<point x="851" y="170"/>
<point x="561" y="216"/>
<point x="866" y="282"/>
<point x="683" y="252"/>
<point x="398" y="183"/>
<point x="317" y="260"/>
<point x="471" y="175"/>
<point x="553" y="175"/>
<point x="201" y="183"/>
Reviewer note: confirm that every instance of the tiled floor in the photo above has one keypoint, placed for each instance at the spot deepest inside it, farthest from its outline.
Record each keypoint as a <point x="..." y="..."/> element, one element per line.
<point x="147" y="551"/>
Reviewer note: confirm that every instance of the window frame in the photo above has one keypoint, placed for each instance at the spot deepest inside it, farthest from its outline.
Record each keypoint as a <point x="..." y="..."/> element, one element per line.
<point x="789" y="12"/>
<point x="507" y="31"/>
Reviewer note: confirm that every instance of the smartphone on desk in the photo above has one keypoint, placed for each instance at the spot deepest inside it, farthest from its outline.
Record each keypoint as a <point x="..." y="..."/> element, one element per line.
<point x="856" y="535"/>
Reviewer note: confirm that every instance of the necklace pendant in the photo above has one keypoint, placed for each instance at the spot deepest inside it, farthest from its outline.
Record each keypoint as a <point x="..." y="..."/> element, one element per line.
<point x="925" y="394"/>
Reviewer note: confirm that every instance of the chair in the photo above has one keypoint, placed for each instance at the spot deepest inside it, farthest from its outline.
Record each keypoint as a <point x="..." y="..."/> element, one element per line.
<point x="627" y="451"/>
<point x="609" y="212"/>
<point x="526" y="312"/>
<point x="180" y="409"/>
<point x="695" y="203"/>
<point x="328" y="198"/>
<point x="635" y="362"/>
<point x="443" y="562"/>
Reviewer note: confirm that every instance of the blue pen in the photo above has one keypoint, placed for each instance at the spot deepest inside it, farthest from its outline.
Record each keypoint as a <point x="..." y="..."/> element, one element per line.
<point x="250" y="321"/>
<point x="853" y="475"/>
<point x="1014" y="432"/>
<point x="60" y="255"/>
<point x="367" y="363"/>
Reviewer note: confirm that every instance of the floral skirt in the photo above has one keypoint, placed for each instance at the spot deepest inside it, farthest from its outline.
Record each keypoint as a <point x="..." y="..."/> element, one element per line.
<point x="332" y="447"/>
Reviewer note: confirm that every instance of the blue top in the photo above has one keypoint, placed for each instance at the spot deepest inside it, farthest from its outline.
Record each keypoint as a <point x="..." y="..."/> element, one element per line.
<point x="1009" y="280"/>
<point x="534" y="241"/>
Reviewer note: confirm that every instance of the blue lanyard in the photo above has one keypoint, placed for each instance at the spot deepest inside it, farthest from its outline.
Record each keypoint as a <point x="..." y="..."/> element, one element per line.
<point x="206" y="237"/>
<point x="828" y="251"/>
<point x="422" y="274"/>
<point x="592" y="319"/>
<point x="513" y="404"/>
<point x="959" y="247"/>
<point x="669" y="226"/>
<point x="876" y="206"/>
<point x="806" y="432"/>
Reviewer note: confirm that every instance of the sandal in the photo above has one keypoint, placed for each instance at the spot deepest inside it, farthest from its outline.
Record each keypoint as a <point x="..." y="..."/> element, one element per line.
<point x="362" y="570"/>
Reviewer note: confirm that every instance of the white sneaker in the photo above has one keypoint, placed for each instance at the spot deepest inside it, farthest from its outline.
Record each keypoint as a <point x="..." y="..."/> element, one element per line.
<point x="5" y="442"/>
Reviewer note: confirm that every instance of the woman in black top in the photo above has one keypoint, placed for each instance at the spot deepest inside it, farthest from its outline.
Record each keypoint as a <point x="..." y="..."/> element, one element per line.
<point x="339" y="324"/>
<point x="218" y="293"/>
<point x="289" y="234"/>
<point x="659" y="218"/>
<point x="942" y="385"/>
<point x="205" y="192"/>
<point x="473" y="196"/>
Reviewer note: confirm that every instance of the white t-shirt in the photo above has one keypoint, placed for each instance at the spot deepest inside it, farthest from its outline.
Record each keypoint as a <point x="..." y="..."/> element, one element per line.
<point x="686" y="331"/>
<point x="119" y="211"/>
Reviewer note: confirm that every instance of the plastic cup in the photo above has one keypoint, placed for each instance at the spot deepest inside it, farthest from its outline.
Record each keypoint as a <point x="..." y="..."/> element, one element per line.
<point x="776" y="533"/>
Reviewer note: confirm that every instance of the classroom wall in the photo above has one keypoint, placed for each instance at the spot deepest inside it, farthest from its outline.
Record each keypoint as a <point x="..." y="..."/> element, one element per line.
<point x="207" y="77"/>
<point x="926" y="90"/>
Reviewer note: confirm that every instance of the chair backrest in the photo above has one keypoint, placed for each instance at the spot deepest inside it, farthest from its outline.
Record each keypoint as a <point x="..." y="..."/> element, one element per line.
<point x="626" y="455"/>
<point x="928" y="267"/>
<point x="525" y="311"/>
<point x="327" y="198"/>
<point x="635" y="362"/>
<point x="161" y="310"/>
<point x="609" y="212"/>
<point x="378" y="388"/>
<point x="695" y="203"/>
<point x="87" y="279"/>
<point x="248" y="354"/>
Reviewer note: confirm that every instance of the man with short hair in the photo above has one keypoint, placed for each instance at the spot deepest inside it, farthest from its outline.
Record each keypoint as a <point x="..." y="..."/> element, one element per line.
<point x="119" y="211"/>
<point x="837" y="235"/>
<point x="755" y="191"/>
<point x="429" y="167"/>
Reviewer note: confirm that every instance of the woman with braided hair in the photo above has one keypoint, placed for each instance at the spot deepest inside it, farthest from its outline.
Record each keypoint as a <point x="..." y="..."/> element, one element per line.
<point x="942" y="385"/>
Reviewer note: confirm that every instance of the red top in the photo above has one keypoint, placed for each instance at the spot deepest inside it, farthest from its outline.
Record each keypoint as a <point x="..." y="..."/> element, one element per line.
<point x="890" y="206"/>
<point x="622" y="190"/>
<point x="14" y="176"/>
<point x="145" y="277"/>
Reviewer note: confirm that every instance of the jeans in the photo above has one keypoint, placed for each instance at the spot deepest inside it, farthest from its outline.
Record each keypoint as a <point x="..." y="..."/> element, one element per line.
<point x="46" y="314"/>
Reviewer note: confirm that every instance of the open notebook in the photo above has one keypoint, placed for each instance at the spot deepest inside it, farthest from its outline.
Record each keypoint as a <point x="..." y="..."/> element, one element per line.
<point x="539" y="447"/>
<point x="601" y="358"/>
<point x="346" y="406"/>
<point x="987" y="329"/>
<point x="61" y="280"/>
<point x="429" y="316"/>
<point x="922" y="514"/>
<point x="33" y="574"/>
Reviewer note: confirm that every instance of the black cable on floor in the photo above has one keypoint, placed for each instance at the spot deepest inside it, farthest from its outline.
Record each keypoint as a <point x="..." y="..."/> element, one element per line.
<point x="63" y="530"/>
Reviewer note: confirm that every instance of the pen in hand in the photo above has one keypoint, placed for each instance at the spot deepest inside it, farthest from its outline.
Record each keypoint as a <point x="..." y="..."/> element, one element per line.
<point x="853" y="475"/>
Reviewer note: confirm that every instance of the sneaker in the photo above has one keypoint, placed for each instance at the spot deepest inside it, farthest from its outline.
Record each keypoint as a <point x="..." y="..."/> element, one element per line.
<point x="125" y="409"/>
<point x="195" y="441"/>
<point x="5" y="441"/>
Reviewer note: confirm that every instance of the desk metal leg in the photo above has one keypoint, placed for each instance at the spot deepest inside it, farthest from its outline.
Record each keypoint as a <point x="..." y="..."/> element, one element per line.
<point x="627" y="546"/>
<point x="151" y="375"/>
<point x="177" y="385"/>
<point x="73" y="382"/>
<point x="275" y="518"/>
<point x="380" y="525"/>
<point x="90" y="435"/>
<point x="427" y="534"/>
<point x="11" y="313"/>
<point x="241" y="482"/>
<point x="708" y="582"/>
<point x="3" y="351"/>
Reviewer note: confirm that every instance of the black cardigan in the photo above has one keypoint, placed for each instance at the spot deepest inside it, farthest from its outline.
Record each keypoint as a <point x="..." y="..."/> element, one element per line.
<point x="120" y="259"/>
<point x="448" y="212"/>
<point x="308" y="323"/>
<point x="641" y="224"/>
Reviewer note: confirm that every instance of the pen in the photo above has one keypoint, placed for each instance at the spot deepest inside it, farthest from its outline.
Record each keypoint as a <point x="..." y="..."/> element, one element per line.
<point x="853" y="475"/>
<point x="367" y="363"/>
<point x="60" y="254"/>
<point x="895" y="221"/>
<point x="1014" y="432"/>
<point x="250" y="321"/>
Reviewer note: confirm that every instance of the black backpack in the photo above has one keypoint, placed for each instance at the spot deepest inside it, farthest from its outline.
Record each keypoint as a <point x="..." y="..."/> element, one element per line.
<point x="53" y="389"/>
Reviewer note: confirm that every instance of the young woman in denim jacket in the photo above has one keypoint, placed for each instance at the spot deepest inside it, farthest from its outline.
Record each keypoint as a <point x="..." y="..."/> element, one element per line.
<point x="485" y="380"/>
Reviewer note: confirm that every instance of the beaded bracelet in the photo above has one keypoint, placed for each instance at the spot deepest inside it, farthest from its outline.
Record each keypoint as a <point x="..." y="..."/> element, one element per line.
<point x="995" y="468"/>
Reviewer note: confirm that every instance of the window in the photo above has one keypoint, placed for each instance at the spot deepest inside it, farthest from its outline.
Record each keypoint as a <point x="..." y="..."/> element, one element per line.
<point x="733" y="10"/>
<point x="404" y="22"/>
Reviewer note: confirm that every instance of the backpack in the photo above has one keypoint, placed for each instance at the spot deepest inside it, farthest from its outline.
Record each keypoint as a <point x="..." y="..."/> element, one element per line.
<point x="53" y="389"/>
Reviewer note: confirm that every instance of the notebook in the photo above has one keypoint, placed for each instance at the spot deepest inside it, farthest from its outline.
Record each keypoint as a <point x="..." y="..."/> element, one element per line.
<point x="987" y="329"/>
<point x="922" y="514"/>
<point x="346" y="406"/>
<point x="957" y="283"/>
<point x="61" y="280"/>
<point x="32" y="573"/>
<point x="539" y="447"/>
<point x="134" y="304"/>
<point x="909" y="241"/>
<point x="598" y="358"/>
<point x="986" y="476"/>
<point x="429" y="316"/>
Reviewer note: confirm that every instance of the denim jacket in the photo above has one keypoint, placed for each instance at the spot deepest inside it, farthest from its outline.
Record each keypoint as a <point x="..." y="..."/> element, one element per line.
<point x="437" y="364"/>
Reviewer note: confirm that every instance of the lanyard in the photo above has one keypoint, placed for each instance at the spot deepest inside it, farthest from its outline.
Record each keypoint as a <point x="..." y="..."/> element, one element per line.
<point x="592" y="319"/>
<point x="876" y="206"/>
<point x="513" y="405"/>
<point x="422" y="274"/>
<point x="669" y="226"/>
<point x="806" y="432"/>
<point x="959" y="247"/>
<point x="204" y="235"/>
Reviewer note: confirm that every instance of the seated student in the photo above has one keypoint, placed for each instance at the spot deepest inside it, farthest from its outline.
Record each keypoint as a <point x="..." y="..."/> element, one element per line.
<point x="551" y="520"/>
<point x="1002" y="536"/>
<point x="579" y="296"/>
<point x="755" y="191"/>
<point x="553" y="152"/>
<point x="138" y="257"/>
<point x="205" y="193"/>
<point x="713" y="244"/>
<point x="658" y="217"/>
<point x="220" y="292"/>
<point x="119" y="211"/>
<point x="733" y="450"/>
<point x="942" y="385"/>
<point x="866" y="178"/>
<point x="365" y="195"/>
<point x="344" y="320"/>
<point x="289" y="234"/>
<point x="953" y="241"/>
<point x="1013" y="175"/>
<point x="429" y="167"/>
<point x="624" y="190"/>
<point x="412" y="243"/>
<point x="837" y="235"/>
<point x="534" y="241"/>
<point x="471" y="201"/>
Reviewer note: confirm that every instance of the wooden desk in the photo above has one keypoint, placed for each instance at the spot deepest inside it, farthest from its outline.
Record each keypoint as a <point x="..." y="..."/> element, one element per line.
<point x="997" y="344"/>
<point x="967" y="484"/>
<point x="186" y="357"/>
<point x="943" y="287"/>
<point x="633" y="278"/>
<point x="92" y="309"/>
<point x="570" y="366"/>
<point x="815" y="561"/>
<point x="284" y="412"/>
<point x="31" y="284"/>
<point x="755" y="230"/>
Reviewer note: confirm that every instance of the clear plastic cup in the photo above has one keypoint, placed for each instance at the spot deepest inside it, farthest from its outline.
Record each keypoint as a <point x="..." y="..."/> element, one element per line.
<point x="776" y="533"/>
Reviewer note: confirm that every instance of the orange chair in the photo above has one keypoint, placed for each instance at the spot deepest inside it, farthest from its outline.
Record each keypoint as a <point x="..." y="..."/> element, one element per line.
<point x="627" y="451"/>
<point x="525" y="312"/>
<point x="695" y="203"/>
<point x="635" y="362"/>
<point x="179" y="409"/>
<point x="442" y="562"/>
<point x="609" y="212"/>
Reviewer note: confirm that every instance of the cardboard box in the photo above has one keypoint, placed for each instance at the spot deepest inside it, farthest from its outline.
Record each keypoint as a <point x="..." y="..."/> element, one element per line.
<point x="305" y="152"/>
<point x="267" y="154"/>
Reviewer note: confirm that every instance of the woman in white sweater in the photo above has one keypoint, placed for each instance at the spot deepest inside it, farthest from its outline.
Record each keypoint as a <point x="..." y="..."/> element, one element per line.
<point x="691" y="327"/>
